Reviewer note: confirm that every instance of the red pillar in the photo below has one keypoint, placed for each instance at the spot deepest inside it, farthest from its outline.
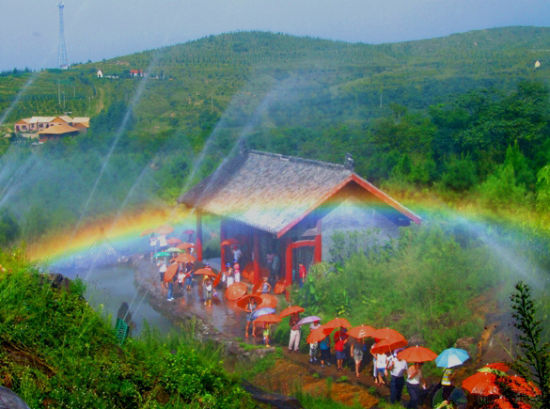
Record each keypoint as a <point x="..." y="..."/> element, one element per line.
<point x="256" y="253"/>
<point x="198" y="243"/>
<point x="222" y="248"/>
<point x="318" y="249"/>
<point x="288" y="261"/>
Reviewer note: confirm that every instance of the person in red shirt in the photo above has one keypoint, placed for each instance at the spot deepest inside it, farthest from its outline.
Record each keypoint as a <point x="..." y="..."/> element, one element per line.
<point x="339" y="346"/>
<point x="302" y="272"/>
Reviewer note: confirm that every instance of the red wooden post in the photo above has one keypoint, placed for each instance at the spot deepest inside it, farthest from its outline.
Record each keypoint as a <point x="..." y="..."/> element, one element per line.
<point x="198" y="243"/>
<point x="256" y="253"/>
<point x="222" y="248"/>
<point x="318" y="249"/>
<point x="288" y="261"/>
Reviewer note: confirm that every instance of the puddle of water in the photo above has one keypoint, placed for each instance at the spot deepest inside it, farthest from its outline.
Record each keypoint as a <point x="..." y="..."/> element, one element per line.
<point x="111" y="286"/>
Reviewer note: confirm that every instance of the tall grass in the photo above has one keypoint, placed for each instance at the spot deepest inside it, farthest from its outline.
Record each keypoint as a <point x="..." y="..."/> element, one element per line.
<point x="58" y="352"/>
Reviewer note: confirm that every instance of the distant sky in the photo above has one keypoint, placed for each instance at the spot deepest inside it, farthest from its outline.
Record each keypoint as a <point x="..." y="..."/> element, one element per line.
<point x="97" y="29"/>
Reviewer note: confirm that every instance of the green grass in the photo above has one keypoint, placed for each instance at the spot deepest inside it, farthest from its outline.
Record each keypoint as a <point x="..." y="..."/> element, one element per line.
<point x="57" y="350"/>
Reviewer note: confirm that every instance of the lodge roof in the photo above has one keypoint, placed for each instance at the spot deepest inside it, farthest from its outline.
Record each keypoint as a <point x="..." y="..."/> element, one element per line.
<point x="273" y="192"/>
<point x="59" y="129"/>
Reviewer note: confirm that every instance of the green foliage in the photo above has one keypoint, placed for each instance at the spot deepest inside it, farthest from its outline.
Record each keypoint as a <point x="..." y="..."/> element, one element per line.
<point x="460" y="174"/>
<point x="75" y="362"/>
<point x="417" y="284"/>
<point x="534" y="360"/>
<point x="9" y="229"/>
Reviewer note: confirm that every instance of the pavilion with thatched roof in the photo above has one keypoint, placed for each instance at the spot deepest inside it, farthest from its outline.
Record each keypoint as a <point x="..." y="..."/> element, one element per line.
<point x="272" y="204"/>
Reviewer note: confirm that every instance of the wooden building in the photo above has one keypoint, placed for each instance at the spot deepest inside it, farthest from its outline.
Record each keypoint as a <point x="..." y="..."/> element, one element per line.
<point x="273" y="204"/>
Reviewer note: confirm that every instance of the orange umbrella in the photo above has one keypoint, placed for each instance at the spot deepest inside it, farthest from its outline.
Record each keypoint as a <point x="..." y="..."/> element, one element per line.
<point x="205" y="272"/>
<point x="173" y="241"/>
<point x="147" y="232"/>
<point x="166" y="229"/>
<point x="388" y="345"/>
<point x="338" y="322"/>
<point x="294" y="309"/>
<point x="481" y="383"/>
<point x="417" y="354"/>
<point x="521" y="386"/>
<point x="268" y="301"/>
<point x="170" y="272"/>
<point x="268" y="319"/>
<point x="245" y="299"/>
<point x="185" y="246"/>
<point x="318" y="334"/>
<point x="184" y="258"/>
<point x="236" y="291"/>
<point x="387" y="334"/>
<point x="362" y="331"/>
<point x="504" y="403"/>
<point x="280" y="287"/>
<point x="229" y="242"/>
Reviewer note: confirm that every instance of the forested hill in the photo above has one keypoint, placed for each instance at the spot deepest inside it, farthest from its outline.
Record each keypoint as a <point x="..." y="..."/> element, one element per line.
<point x="450" y="113"/>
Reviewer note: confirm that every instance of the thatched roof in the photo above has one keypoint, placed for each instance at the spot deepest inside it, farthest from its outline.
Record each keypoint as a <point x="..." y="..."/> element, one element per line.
<point x="273" y="192"/>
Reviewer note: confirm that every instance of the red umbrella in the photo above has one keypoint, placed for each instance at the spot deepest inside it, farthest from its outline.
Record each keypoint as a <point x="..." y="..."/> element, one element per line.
<point x="417" y="354"/>
<point x="245" y="299"/>
<point x="361" y="331"/>
<point x="338" y="322"/>
<point x="185" y="246"/>
<point x="170" y="272"/>
<point x="184" y="258"/>
<point x="173" y="241"/>
<point x="503" y="403"/>
<point x="388" y="345"/>
<point x="236" y="291"/>
<point x="166" y="229"/>
<point x="495" y="367"/>
<point x="205" y="272"/>
<point x="295" y="309"/>
<point x="318" y="334"/>
<point x="481" y="383"/>
<point x="521" y="386"/>
<point x="229" y="242"/>
<point x="268" y="319"/>
<point x="268" y="301"/>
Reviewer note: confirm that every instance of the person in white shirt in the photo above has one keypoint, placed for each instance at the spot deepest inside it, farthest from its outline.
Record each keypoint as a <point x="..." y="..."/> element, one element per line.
<point x="397" y="368"/>
<point x="315" y="345"/>
<point x="381" y="363"/>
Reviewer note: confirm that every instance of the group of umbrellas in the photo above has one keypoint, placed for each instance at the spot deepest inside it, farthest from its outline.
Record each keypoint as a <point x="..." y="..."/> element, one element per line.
<point x="494" y="381"/>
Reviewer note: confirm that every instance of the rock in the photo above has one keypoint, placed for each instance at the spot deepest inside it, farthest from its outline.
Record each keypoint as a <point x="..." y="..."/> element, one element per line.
<point x="465" y="343"/>
<point x="10" y="400"/>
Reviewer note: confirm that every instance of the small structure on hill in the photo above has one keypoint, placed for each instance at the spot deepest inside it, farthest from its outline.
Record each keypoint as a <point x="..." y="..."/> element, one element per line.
<point x="48" y="127"/>
<point x="281" y="207"/>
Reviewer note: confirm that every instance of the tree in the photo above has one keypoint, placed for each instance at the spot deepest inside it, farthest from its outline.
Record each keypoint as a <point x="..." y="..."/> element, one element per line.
<point x="534" y="361"/>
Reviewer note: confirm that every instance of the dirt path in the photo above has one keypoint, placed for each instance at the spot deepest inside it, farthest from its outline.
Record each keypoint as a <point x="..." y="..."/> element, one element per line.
<point x="316" y="381"/>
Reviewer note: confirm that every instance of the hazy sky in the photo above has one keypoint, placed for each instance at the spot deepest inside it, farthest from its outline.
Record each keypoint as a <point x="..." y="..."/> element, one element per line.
<point x="97" y="29"/>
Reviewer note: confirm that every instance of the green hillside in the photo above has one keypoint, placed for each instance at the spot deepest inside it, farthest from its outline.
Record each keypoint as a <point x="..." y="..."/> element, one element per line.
<point x="453" y="114"/>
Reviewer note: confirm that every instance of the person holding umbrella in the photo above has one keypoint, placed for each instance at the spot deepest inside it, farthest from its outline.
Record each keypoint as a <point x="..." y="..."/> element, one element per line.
<point x="397" y="368"/>
<point x="324" y="347"/>
<point x="251" y="307"/>
<point x="414" y="382"/>
<point x="357" y="354"/>
<point x="313" y="347"/>
<point x="294" y="339"/>
<point x="208" y="289"/>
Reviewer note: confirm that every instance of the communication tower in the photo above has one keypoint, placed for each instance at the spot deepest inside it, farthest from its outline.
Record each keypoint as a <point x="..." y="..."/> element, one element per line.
<point x="62" y="47"/>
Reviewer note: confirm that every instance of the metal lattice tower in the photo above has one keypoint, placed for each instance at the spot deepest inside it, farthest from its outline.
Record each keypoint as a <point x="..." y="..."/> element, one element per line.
<point x="62" y="47"/>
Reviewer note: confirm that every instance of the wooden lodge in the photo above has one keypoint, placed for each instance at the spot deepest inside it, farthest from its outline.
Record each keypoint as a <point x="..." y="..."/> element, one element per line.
<point x="51" y="127"/>
<point x="270" y="204"/>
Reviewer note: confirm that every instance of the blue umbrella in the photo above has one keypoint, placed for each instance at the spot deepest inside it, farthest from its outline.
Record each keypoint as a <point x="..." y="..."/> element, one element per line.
<point x="308" y="320"/>
<point x="262" y="311"/>
<point x="452" y="357"/>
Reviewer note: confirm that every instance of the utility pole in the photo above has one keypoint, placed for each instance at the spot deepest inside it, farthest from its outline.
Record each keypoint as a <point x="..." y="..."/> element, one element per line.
<point x="61" y="47"/>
